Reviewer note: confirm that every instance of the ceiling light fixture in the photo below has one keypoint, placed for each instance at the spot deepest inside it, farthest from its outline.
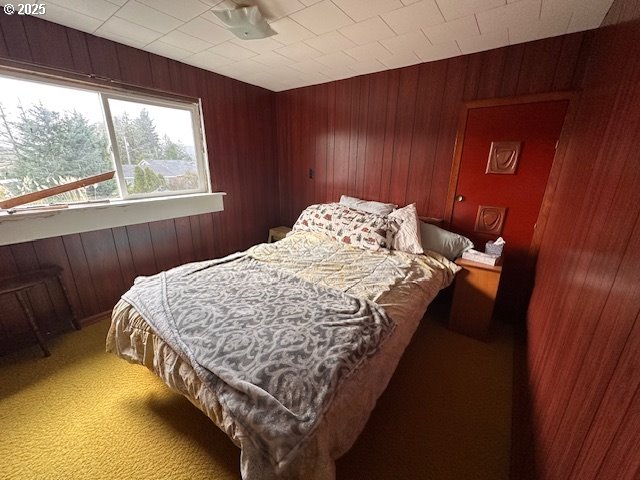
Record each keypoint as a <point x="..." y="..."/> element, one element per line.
<point x="246" y="23"/>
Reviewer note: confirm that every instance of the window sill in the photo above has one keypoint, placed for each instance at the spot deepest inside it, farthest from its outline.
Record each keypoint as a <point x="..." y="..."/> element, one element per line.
<point x="25" y="226"/>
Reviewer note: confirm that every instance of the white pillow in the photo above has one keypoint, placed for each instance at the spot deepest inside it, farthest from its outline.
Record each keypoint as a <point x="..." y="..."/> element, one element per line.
<point x="442" y="241"/>
<point x="407" y="238"/>
<point x="377" y="208"/>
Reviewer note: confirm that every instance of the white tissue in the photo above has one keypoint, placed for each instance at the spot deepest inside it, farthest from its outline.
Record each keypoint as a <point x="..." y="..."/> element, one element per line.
<point x="499" y="241"/>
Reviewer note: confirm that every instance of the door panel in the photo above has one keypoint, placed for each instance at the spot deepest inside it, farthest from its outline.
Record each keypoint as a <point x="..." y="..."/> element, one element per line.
<point x="537" y="126"/>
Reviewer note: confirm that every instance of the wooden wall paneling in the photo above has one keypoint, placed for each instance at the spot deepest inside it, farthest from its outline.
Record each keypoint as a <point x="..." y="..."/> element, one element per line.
<point x="492" y="72"/>
<point x="389" y="129"/>
<point x="242" y="137"/>
<point x="207" y="235"/>
<point x="12" y="321"/>
<point x="39" y="296"/>
<point x="4" y="51"/>
<point x="125" y="259"/>
<point x="15" y="37"/>
<point x="104" y="267"/>
<point x="361" y="144"/>
<point x="330" y="105"/>
<point x="375" y="129"/>
<point x="425" y="133"/>
<point x="403" y="135"/>
<point x="135" y="67"/>
<point x="283" y="158"/>
<point x="142" y="249"/>
<point x="449" y="117"/>
<point x="512" y="68"/>
<point x="160" y="73"/>
<point x="196" y="232"/>
<point x="472" y="77"/>
<point x="354" y="102"/>
<point x="341" y="143"/>
<point x="79" y="51"/>
<point x="614" y="209"/>
<point x="42" y="34"/>
<point x="568" y="60"/>
<point x="185" y="239"/>
<point x="622" y="461"/>
<point x="619" y="405"/>
<point x="320" y="119"/>
<point x="539" y="65"/>
<point x="165" y="244"/>
<point x="104" y="57"/>
<point x="50" y="252"/>
<point x="79" y="267"/>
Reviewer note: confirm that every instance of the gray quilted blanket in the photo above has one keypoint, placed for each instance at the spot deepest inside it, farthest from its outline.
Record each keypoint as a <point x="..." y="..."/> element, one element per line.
<point x="272" y="346"/>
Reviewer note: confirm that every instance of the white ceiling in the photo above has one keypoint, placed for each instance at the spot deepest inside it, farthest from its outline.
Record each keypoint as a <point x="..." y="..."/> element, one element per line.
<point x="323" y="40"/>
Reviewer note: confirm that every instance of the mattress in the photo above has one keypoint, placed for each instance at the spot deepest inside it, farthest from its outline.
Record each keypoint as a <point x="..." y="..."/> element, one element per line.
<point x="402" y="284"/>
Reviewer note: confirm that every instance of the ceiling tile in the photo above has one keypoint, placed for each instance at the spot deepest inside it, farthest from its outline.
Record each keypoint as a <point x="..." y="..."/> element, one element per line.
<point x="322" y="17"/>
<point x="207" y="60"/>
<point x="330" y="42"/>
<point x="400" y="60"/>
<point x="408" y="42"/>
<point x="368" y="31"/>
<point x="431" y="53"/>
<point x="290" y="31"/>
<point x="369" y="66"/>
<point x="298" y="52"/>
<point x="539" y="29"/>
<point x="413" y="17"/>
<point x="272" y="59"/>
<point x="520" y="13"/>
<point x="148" y="17"/>
<point x="70" y="18"/>
<point x="308" y="66"/>
<point x="118" y="2"/>
<point x="185" y="10"/>
<point x="452" y="9"/>
<point x="186" y="42"/>
<point x="275" y="9"/>
<point x="360" y="10"/>
<point x="446" y="32"/>
<point x="368" y="52"/>
<point x="338" y="73"/>
<point x="310" y="2"/>
<point x="588" y="17"/>
<point x="409" y="2"/>
<point x="483" y="42"/>
<point x="262" y="45"/>
<point x="232" y="51"/>
<point x="166" y="50"/>
<point x="207" y="31"/>
<point x="240" y="69"/>
<point x="124" y="40"/>
<point x="99" y="9"/>
<point x="336" y="59"/>
<point x="124" y="28"/>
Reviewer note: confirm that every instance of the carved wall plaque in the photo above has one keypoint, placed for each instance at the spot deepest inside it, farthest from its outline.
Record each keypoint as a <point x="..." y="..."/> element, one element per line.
<point x="490" y="220"/>
<point x="503" y="158"/>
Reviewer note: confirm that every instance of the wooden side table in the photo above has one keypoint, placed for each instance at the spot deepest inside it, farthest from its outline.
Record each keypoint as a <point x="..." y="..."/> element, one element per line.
<point x="19" y="285"/>
<point x="277" y="233"/>
<point x="474" y="296"/>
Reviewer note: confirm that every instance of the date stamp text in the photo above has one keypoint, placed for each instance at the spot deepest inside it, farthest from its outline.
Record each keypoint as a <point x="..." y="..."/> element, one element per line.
<point x="25" y="9"/>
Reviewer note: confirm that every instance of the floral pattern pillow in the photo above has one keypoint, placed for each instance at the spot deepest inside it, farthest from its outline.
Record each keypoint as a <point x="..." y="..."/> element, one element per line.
<point x="346" y="225"/>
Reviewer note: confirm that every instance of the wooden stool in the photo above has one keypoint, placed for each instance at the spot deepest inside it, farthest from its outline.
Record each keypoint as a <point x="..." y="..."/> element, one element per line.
<point x="20" y="285"/>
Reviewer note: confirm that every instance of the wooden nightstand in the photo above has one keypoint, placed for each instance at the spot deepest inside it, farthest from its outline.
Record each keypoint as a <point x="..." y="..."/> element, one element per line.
<point x="474" y="296"/>
<point x="277" y="233"/>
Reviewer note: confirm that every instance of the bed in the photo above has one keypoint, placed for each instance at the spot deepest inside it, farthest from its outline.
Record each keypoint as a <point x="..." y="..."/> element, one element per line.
<point x="294" y="421"/>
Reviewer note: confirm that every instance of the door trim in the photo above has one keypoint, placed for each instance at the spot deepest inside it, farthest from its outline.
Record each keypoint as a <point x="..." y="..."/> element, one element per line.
<point x="554" y="174"/>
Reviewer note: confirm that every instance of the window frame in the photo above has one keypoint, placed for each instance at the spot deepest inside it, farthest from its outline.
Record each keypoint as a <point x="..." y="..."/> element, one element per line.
<point x="137" y="95"/>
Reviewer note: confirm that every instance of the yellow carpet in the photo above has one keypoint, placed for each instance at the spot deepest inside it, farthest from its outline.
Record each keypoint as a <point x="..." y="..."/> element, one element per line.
<point x="85" y="414"/>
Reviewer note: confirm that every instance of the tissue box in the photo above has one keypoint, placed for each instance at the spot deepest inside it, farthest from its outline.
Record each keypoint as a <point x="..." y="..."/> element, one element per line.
<point x="493" y="249"/>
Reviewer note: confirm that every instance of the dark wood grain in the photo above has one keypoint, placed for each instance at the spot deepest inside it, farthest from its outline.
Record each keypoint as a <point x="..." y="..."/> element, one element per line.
<point x="389" y="136"/>
<point x="100" y="266"/>
<point x="583" y="320"/>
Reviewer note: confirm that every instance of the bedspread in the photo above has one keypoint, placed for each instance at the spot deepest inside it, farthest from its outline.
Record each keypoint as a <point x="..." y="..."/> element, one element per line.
<point x="273" y="346"/>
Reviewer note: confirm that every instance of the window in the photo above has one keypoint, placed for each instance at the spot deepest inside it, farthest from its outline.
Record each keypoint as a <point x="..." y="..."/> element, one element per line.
<point x="54" y="133"/>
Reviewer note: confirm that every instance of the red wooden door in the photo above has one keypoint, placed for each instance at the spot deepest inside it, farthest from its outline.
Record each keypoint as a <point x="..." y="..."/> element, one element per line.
<point x="536" y="128"/>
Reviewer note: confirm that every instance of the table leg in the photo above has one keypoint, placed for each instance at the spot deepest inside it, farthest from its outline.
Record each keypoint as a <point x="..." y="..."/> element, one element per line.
<point x="24" y="302"/>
